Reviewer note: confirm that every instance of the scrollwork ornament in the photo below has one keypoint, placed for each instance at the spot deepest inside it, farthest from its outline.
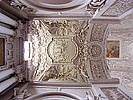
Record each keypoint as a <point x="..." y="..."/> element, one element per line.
<point x="96" y="50"/>
<point x="97" y="69"/>
<point x="65" y="45"/>
<point x="119" y="8"/>
<point x="95" y="5"/>
<point x="114" y="93"/>
<point x="19" y="5"/>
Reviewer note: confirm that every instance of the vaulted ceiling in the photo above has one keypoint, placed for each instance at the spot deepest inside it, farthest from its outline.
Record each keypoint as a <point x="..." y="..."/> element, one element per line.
<point x="111" y="10"/>
<point x="80" y="30"/>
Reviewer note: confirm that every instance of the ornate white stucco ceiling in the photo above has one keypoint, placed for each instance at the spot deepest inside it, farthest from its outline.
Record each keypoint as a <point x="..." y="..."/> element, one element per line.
<point x="115" y="9"/>
<point x="67" y="50"/>
<point x="107" y="11"/>
<point x="58" y="6"/>
<point x="56" y="50"/>
<point x="79" y="8"/>
<point x="104" y="11"/>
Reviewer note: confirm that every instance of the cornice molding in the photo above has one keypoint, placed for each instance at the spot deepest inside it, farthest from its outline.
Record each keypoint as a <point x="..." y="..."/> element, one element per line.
<point x="15" y="12"/>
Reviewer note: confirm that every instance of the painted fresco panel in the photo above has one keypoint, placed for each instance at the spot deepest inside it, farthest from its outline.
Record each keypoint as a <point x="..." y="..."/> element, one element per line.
<point x="113" y="49"/>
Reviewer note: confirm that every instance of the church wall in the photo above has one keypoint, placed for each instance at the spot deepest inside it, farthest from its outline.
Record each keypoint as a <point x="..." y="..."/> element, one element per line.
<point x="122" y="67"/>
<point x="7" y="32"/>
<point x="12" y="69"/>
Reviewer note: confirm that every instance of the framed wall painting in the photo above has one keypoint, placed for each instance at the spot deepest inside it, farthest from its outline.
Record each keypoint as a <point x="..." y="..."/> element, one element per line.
<point x="113" y="49"/>
<point x="2" y="51"/>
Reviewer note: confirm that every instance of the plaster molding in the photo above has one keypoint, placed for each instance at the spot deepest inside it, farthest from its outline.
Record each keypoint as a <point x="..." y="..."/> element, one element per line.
<point x="98" y="66"/>
<point x="114" y="93"/>
<point x="72" y="33"/>
<point x="118" y="8"/>
<point x="59" y="50"/>
<point x="97" y="69"/>
<point x="114" y="10"/>
<point x="9" y="47"/>
<point x="96" y="50"/>
<point x="7" y="20"/>
<point x="46" y="67"/>
<point x="97" y="33"/>
<point x="80" y="8"/>
<point x="21" y="6"/>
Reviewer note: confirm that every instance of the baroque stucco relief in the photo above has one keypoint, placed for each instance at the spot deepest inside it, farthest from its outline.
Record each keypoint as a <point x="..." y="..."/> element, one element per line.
<point x="119" y="8"/>
<point x="59" y="50"/>
<point x="114" y="93"/>
<point x="98" y="66"/>
<point x="64" y="50"/>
